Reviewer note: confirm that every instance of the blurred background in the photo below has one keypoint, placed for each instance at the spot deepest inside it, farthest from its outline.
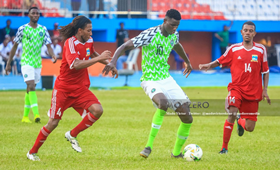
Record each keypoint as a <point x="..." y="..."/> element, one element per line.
<point x="204" y="23"/>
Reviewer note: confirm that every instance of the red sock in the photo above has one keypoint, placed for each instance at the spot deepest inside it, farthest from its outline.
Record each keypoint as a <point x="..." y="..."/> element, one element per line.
<point x="43" y="134"/>
<point x="228" y="127"/>
<point x="88" y="120"/>
<point x="242" y="122"/>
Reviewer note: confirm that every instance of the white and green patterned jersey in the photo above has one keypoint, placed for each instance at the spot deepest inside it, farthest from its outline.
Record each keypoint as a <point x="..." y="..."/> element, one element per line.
<point x="156" y="49"/>
<point x="32" y="40"/>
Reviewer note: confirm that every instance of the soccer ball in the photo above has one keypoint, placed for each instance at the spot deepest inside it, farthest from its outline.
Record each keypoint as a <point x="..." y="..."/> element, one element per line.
<point x="192" y="152"/>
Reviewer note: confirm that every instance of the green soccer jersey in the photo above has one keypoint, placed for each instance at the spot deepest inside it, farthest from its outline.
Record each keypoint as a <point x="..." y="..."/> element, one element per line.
<point x="32" y="40"/>
<point x="156" y="49"/>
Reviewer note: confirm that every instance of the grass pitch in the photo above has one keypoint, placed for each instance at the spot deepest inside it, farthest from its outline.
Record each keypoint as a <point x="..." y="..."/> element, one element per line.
<point x="114" y="141"/>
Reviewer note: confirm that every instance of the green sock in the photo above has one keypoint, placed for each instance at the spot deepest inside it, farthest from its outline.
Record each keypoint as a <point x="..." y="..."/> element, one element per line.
<point x="182" y="135"/>
<point x="27" y="106"/>
<point x="157" y="121"/>
<point x="33" y="102"/>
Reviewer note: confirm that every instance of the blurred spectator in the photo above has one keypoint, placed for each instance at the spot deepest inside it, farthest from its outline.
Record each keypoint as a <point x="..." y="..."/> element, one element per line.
<point x="266" y="42"/>
<point x="179" y="61"/>
<point x="6" y="31"/>
<point x="27" y="4"/>
<point x="11" y="42"/>
<point x="5" y="51"/>
<point x="17" y="58"/>
<point x="44" y="52"/>
<point x="76" y="4"/>
<point x="121" y="37"/>
<point x="56" y="48"/>
<point x="15" y="4"/>
<point x="92" y="6"/>
<point x="223" y="36"/>
<point x="55" y="33"/>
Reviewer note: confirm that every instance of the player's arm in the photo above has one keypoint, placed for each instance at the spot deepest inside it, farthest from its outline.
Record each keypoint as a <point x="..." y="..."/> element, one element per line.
<point x="181" y="52"/>
<point x="11" y="56"/>
<point x="81" y="64"/>
<point x="95" y="54"/>
<point x="51" y="53"/>
<point x="112" y="65"/>
<point x="265" y="85"/>
<point x="208" y="66"/>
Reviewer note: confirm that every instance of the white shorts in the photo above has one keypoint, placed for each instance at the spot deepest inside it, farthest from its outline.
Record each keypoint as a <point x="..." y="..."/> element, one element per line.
<point x="31" y="73"/>
<point x="172" y="91"/>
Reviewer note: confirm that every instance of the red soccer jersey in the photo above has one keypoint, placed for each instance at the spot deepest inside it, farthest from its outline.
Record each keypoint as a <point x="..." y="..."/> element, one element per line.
<point x="247" y="67"/>
<point x="70" y="79"/>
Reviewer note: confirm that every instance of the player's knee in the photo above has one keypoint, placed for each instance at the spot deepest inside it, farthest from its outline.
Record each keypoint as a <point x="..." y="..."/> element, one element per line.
<point x="97" y="111"/>
<point x="250" y="128"/>
<point x="163" y="105"/>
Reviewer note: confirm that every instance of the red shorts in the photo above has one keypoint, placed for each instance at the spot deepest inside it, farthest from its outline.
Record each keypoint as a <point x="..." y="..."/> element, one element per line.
<point x="63" y="100"/>
<point x="248" y="109"/>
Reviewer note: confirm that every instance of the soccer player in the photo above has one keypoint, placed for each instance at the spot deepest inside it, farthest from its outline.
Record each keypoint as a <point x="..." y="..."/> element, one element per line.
<point x="157" y="43"/>
<point x="32" y="36"/>
<point x="247" y="61"/>
<point x="72" y="85"/>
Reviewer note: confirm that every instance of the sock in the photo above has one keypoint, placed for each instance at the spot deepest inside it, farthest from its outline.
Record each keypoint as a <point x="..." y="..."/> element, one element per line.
<point x="87" y="121"/>
<point x="242" y="122"/>
<point x="27" y="105"/>
<point x="157" y="121"/>
<point x="33" y="102"/>
<point x="43" y="134"/>
<point x="182" y="135"/>
<point x="228" y="127"/>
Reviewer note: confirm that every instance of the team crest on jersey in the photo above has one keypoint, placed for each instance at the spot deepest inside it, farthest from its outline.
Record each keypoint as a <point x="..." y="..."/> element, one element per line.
<point x="153" y="90"/>
<point x="171" y="42"/>
<point x="88" y="52"/>
<point x="254" y="58"/>
<point x="41" y="34"/>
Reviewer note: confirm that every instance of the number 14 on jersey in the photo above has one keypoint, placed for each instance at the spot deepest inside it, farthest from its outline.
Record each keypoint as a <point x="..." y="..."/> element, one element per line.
<point x="248" y="68"/>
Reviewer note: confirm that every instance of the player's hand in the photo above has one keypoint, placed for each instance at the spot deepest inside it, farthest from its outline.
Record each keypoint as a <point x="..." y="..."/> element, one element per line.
<point x="115" y="73"/>
<point x="204" y="67"/>
<point x="265" y="96"/>
<point x="188" y="69"/>
<point x="8" y="69"/>
<point x="54" y="59"/>
<point x="105" y="55"/>
<point x="109" y="67"/>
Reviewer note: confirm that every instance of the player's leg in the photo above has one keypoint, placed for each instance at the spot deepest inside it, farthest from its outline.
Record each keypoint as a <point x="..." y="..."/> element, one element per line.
<point x="180" y="104"/>
<point x="93" y="113"/>
<point x="58" y="104"/>
<point x="28" y="74"/>
<point x="228" y="127"/>
<point x="86" y="101"/>
<point x="184" y="129"/>
<point x="41" y="138"/>
<point x="248" y="116"/>
<point x="155" y="93"/>
<point x="232" y="105"/>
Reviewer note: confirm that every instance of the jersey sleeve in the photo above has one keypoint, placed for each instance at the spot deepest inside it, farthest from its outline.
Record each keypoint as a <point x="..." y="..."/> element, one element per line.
<point x="144" y="38"/>
<point x="19" y="35"/>
<point x="47" y="38"/>
<point x="70" y="52"/>
<point x="226" y="59"/>
<point x="265" y="68"/>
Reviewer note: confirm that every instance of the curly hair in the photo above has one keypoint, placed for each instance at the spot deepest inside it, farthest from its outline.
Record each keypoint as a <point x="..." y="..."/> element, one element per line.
<point x="173" y="13"/>
<point x="72" y="28"/>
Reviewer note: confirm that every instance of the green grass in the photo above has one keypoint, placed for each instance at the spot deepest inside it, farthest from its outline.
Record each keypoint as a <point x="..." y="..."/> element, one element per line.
<point x="114" y="141"/>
